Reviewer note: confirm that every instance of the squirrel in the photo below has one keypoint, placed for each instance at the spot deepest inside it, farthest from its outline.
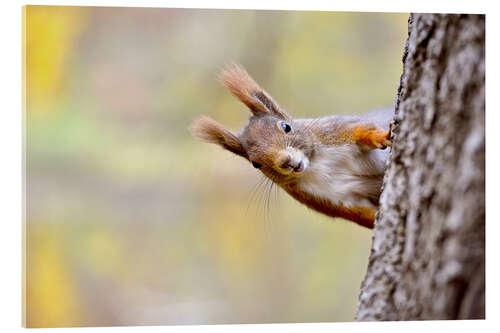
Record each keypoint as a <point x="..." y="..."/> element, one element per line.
<point x="333" y="164"/>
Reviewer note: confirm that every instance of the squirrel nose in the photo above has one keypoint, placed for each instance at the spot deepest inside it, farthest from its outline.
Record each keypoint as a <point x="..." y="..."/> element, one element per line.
<point x="289" y="162"/>
<point x="286" y="162"/>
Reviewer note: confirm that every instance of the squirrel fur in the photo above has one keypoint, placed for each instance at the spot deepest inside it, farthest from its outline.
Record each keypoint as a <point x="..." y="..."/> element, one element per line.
<point x="333" y="164"/>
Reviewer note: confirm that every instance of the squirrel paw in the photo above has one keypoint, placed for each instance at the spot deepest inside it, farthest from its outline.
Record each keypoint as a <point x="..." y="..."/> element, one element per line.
<point x="373" y="137"/>
<point x="385" y="140"/>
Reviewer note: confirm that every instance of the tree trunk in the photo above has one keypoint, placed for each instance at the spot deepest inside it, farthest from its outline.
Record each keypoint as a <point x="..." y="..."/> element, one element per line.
<point x="427" y="258"/>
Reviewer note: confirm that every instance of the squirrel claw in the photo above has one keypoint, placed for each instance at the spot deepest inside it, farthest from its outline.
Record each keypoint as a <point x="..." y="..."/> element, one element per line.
<point x="386" y="138"/>
<point x="381" y="139"/>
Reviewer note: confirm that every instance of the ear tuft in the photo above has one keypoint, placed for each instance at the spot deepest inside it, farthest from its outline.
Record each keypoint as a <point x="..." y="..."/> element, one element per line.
<point x="211" y="131"/>
<point x="237" y="80"/>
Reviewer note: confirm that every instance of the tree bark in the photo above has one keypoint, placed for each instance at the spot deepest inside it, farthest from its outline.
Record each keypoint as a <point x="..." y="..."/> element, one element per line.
<point x="427" y="258"/>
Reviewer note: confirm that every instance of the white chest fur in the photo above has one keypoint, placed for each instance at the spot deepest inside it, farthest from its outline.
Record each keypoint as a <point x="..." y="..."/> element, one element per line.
<point x="345" y="175"/>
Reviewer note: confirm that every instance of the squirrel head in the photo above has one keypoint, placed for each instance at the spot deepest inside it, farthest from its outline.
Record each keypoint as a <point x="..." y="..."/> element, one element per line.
<point x="271" y="140"/>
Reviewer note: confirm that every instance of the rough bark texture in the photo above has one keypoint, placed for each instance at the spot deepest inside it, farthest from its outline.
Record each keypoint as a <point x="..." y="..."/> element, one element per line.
<point x="427" y="259"/>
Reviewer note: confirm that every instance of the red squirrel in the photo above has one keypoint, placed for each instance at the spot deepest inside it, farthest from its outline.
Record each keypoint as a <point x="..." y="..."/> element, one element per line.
<point x="332" y="164"/>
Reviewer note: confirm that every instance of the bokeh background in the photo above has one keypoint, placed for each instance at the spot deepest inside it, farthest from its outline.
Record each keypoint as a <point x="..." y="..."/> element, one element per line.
<point x="129" y="220"/>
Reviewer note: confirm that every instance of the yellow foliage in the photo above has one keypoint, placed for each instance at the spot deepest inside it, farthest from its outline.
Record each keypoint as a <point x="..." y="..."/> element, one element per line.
<point x="51" y="297"/>
<point x="50" y="35"/>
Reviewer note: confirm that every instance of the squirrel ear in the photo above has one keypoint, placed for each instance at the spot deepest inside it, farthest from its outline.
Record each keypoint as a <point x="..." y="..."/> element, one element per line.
<point x="210" y="131"/>
<point x="235" y="78"/>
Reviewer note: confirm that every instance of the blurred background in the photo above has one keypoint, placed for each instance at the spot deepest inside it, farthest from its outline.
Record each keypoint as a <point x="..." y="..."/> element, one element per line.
<point x="130" y="221"/>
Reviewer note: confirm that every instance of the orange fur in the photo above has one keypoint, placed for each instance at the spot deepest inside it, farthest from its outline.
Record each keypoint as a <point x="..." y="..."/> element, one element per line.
<point x="373" y="137"/>
<point x="211" y="131"/>
<point x="236" y="79"/>
<point x="363" y="216"/>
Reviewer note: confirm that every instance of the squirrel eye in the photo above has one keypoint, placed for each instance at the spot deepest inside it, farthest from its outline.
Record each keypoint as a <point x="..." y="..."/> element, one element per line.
<point x="285" y="127"/>
<point x="257" y="165"/>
